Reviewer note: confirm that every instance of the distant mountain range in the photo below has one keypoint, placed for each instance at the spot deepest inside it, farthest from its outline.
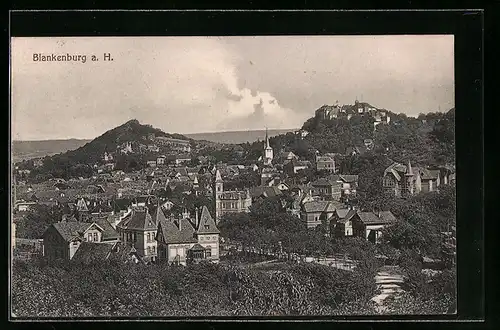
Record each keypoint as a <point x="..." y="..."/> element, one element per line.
<point x="22" y="150"/>
<point x="236" y="137"/>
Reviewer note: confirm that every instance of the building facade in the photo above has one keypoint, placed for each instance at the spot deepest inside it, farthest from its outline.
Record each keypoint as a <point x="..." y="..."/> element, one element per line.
<point x="401" y="180"/>
<point x="185" y="240"/>
<point x="138" y="228"/>
<point x="325" y="163"/>
<point x="234" y="201"/>
<point x="369" y="225"/>
<point x="62" y="239"/>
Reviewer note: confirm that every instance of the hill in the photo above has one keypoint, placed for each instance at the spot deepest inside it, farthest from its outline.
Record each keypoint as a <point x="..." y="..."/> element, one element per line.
<point x="237" y="137"/>
<point x="24" y="150"/>
<point x="79" y="162"/>
<point x="426" y="140"/>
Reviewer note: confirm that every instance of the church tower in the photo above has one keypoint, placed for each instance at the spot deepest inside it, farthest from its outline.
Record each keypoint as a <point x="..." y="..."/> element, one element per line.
<point x="218" y="190"/>
<point x="268" y="151"/>
<point x="409" y="180"/>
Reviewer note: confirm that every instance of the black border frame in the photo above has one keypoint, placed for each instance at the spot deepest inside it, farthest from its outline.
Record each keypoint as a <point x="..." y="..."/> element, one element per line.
<point x="466" y="25"/>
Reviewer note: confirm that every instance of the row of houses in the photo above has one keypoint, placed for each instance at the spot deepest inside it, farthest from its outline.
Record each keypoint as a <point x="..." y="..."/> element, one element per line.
<point x="149" y="233"/>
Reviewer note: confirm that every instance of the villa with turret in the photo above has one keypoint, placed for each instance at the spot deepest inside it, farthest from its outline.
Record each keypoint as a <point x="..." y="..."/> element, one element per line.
<point x="232" y="201"/>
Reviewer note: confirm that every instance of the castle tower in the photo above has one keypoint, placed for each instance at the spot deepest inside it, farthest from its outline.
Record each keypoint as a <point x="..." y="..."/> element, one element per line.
<point x="218" y="190"/>
<point x="409" y="179"/>
<point x="268" y="151"/>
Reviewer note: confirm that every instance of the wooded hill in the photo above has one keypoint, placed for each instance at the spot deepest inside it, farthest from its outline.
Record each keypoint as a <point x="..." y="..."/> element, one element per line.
<point x="75" y="163"/>
<point x="428" y="139"/>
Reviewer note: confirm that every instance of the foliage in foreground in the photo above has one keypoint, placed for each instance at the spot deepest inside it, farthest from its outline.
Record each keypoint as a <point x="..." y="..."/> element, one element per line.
<point x="114" y="289"/>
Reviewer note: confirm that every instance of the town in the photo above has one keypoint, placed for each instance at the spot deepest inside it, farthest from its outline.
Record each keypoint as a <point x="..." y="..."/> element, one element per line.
<point x="358" y="190"/>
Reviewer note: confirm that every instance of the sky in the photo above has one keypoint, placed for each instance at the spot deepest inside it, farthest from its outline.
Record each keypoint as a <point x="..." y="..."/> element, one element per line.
<point x="209" y="84"/>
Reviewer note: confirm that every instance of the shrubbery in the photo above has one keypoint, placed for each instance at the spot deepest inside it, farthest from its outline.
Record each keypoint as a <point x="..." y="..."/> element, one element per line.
<point x="117" y="289"/>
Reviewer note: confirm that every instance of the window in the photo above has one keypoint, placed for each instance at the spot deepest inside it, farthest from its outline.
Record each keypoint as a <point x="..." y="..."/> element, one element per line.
<point x="89" y="237"/>
<point x="208" y="253"/>
<point x="153" y="249"/>
<point x="207" y="226"/>
<point x="95" y="237"/>
<point x="149" y="238"/>
<point x="148" y="250"/>
<point x="202" y="238"/>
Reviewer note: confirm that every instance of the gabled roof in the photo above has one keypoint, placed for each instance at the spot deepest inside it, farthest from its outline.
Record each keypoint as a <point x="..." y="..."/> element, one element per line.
<point x="88" y="252"/>
<point x="348" y="178"/>
<point x="71" y="230"/>
<point x="315" y="206"/>
<point x="138" y="219"/>
<point x="108" y="232"/>
<point x="323" y="182"/>
<point x="197" y="247"/>
<point x="347" y="216"/>
<point x="206" y="223"/>
<point x="369" y="218"/>
<point x="265" y="191"/>
<point x="172" y="234"/>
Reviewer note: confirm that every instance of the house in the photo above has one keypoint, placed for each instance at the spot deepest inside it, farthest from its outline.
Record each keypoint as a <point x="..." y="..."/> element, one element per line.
<point x="325" y="163"/>
<point x="401" y="180"/>
<point x="301" y="134"/>
<point x="429" y="179"/>
<point x="234" y="201"/>
<point x="299" y="198"/>
<point x="89" y="252"/>
<point x="288" y="156"/>
<point x="62" y="239"/>
<point x="341" y="222"/>
<point x="160" y="160"/>
<point x="336" y="187"/>
<point x="153" y="148"/>
<point x="181" y="159"/>
<point x="314" y="212"/>
<point x="107" y="157"/>
<point x="151" y="163"/>
<point x="369" y="225"/>
<point x="294" y="166"/>
<point x="267" y="174"/>
<point x="174" y="144"/>
<point x="139" y="229"/>
<point x="184" y="240"/>
<point x="23" y="206"/>
<point x="126" y="148"/>
<point x="264" y="192"/>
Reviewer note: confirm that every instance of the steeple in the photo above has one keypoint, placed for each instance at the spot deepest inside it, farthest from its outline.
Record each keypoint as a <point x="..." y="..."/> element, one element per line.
<point x="268" y="151"/>
<point x="267" y="140"/>
<point x="218" y="177"/>
<point x="409" y="171"/>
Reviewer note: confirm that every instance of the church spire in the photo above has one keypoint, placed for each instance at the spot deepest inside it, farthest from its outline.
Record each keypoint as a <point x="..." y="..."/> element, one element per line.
<point x="267" y="140"/>
<point x="218" y="177"/>
<point x="410" y="171"/>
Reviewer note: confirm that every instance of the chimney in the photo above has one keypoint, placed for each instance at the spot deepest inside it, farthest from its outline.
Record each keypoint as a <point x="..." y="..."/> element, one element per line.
<point x="196" y="217"/>
<point x="180" y="224"/>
